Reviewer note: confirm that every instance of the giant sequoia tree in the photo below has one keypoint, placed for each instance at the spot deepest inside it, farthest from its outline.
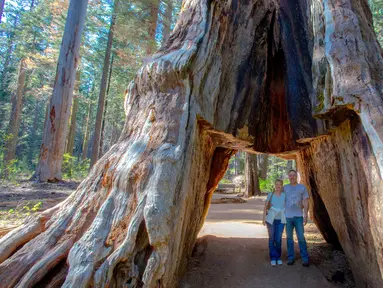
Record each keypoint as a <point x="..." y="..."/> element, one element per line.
<point x="289" y="76"/>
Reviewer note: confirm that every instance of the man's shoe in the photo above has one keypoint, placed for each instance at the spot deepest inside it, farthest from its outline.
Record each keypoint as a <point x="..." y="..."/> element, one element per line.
<point x="305" y="264"/>
<point x="290" y="262"/>
<point x="279" y="262"/>
<point x="273" y="263"/>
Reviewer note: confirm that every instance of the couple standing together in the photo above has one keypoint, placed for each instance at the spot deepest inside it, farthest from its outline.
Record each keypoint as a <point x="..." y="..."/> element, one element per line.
<point x="288" y="206"/>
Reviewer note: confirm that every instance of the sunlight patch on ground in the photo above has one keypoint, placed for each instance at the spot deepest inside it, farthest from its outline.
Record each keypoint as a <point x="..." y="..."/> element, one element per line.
<point x="233" y="229"/>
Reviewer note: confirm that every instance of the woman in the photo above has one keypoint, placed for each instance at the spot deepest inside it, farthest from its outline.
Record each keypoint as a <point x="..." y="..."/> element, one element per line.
<point x="274" y="218"/>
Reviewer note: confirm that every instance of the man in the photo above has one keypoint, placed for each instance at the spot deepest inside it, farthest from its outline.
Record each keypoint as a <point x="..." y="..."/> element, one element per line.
<point x="296" y="198"/>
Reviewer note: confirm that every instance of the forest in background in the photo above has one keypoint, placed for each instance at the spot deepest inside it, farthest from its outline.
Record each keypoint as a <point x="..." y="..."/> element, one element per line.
<point x="118" y="36"/>
<point x="31" y="32"/>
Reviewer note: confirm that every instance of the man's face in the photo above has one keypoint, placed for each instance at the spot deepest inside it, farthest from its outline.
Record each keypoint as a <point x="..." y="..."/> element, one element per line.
<point x="292" y="177"/>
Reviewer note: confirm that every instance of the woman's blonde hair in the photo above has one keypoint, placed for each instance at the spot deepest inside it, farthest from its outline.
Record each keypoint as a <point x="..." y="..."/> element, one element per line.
<point x="276" y="181"/>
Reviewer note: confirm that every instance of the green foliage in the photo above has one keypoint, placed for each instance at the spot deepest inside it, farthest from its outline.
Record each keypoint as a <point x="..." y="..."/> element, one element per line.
<point x="17" y="215"/>
<point x="377" y="15"/>
<point x="74" y="169"/>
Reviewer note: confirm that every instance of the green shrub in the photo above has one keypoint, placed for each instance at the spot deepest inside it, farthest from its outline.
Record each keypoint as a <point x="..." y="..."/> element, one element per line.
<point x="74" y="169"/>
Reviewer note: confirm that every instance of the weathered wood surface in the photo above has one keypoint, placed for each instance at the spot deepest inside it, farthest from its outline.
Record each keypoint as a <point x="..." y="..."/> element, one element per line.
<point x="234" y="75"/>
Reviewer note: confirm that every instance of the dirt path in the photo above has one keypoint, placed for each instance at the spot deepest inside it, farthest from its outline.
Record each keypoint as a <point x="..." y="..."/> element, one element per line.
<point x="232" y="251"/>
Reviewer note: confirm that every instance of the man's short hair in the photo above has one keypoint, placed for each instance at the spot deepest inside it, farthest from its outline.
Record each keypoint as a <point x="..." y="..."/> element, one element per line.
<point x="292" y="170"/>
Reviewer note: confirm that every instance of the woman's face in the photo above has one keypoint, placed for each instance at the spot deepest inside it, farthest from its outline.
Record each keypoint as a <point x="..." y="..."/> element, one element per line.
<point x="278" y="186"/>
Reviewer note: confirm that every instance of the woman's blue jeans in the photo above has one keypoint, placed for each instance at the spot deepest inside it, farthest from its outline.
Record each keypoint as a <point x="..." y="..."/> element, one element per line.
<point x="297" y="223"/>
<point x="275" y="239"/>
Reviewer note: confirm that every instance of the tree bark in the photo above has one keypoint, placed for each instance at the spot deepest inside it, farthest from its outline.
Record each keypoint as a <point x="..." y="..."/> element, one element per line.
<point x="151" y="47"/>
<point x="73" y="118"/>
<point x="251" y="172"/>
<point x="14" y="122"/>
<point x="263" y="160"/>
<point x="105" y="110"/>
<point x="231" y="77"/>
<point x="56" y="126"/>
<point x="72" y="130"/>
<point x="167" y="21"/>
<point x="101" y="98"/>
<point x="86" y="134"/>
<point x="32" y="147"/>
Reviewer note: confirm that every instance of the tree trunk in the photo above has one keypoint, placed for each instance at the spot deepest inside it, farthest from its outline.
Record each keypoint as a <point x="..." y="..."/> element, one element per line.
<point x="86" y="135"/>
<point x="72" y="130"/>
<point x="2" y="2"/>
<point x="14" y="122"/>
<point x="105" y="110"/>
<point x="251" y="172"/>
<point x="56" y="126"/>
<point x="263" y="160"/>
<point x="151" y="47"/>
<point x="167" y="21"/>
<point x="231" y="77"/>
<point x="32" y="147"/>
<point x="101" y="98"/>
<point x="73" y="117"/>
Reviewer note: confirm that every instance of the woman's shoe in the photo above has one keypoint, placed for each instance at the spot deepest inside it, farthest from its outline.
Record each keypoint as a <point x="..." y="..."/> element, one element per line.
<point x="273" y="263"/>
<point x="279" y="262"/>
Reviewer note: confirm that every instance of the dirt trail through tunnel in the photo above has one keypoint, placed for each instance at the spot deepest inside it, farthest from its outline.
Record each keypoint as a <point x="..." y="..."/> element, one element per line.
<point x="232" y="251"/>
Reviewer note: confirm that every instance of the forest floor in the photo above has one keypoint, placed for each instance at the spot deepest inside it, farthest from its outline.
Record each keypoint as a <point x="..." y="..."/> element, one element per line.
<point x="232" y="251"/>
<point x="232" y="248"/>
<point x="18" y="200"/>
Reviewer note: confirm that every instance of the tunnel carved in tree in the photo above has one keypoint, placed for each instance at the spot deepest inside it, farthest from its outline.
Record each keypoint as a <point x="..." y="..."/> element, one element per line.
<point x="216" y="87"/>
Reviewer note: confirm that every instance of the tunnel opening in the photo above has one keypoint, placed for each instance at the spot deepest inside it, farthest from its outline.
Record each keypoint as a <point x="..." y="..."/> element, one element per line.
<point x="334" y="168"/>
<point x="235" y="229"/>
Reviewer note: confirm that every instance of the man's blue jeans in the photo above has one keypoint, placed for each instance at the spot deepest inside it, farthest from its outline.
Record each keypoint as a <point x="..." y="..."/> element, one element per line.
<point x="297" y="223"/>
<point x="275" y="239"/>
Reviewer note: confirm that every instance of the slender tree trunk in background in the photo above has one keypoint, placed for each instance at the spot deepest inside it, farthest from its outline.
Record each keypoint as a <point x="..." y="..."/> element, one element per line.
<point x="73" y="117"/>
<point x="167" y="22"/>
<point x="263" y="160"/>
<point x="101" y="151"/>
<point x="1" y="8"/>
<point x="151" y="47"/>
<point x="15" y="117"/>
<point x="101" y="98"/>
<point x="251" y="173"/>
<point x="86" y="134"/>
<point x="56" y="126"/>
<point x="100" y="148"/>
<point x="31" y="149"/>
<point x="72" y="130"/>
<point x="115" y="134"/>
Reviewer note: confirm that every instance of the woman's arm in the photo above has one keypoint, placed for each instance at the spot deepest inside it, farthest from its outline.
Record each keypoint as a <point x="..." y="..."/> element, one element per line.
<point x="264" y="211"/>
